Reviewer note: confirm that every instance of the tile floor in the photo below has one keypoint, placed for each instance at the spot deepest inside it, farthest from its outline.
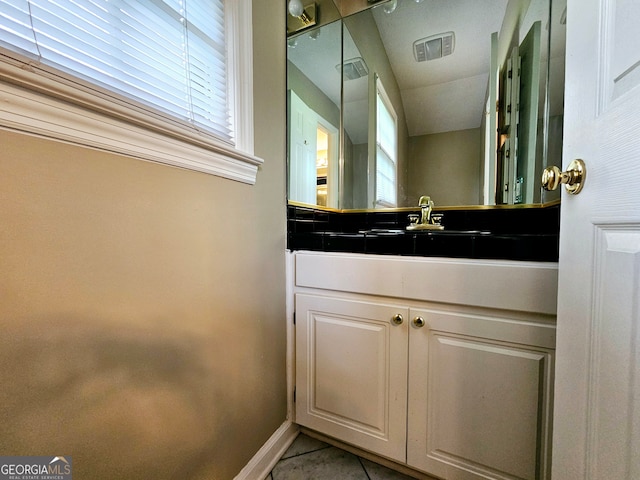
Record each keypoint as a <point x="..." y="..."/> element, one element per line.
<point x="311" y="459"/>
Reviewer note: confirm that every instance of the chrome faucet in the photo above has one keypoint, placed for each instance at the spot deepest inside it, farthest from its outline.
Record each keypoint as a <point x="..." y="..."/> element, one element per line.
<point x="426" y="204"/>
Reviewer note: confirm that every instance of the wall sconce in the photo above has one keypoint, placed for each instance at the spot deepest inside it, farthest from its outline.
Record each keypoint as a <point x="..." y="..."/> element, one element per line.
<point x="390" y="6"/>
<point x="300" y="17"/>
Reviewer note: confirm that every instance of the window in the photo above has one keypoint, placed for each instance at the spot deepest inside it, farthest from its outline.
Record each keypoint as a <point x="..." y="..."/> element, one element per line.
<point x="163" y="80"/>
<point x="386" y="150"/>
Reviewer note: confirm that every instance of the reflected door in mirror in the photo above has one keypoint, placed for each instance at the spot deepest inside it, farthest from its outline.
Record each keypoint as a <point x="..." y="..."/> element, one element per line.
<point x="313" y="155"/>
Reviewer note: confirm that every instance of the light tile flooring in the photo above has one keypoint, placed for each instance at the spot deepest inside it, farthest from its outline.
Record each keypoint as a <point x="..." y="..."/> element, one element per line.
<point x="311" y="459"/>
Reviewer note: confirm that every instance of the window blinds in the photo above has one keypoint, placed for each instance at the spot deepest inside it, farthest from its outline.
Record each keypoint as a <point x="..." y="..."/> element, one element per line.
<point x="169" y="55"/>
<point x="386" y="148"/>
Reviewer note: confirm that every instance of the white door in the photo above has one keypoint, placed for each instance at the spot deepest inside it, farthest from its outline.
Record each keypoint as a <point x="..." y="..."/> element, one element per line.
<point x="597" y="388"/>
<point x="302" y="153"/>
<point x="479" y="395"/>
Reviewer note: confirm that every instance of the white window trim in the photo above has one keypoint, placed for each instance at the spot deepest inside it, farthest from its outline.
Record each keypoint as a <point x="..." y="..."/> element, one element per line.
<point x="34" y="104"/>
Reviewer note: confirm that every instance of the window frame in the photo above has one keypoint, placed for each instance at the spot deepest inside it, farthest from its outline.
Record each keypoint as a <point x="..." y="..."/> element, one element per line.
<point x="44" y="103"/>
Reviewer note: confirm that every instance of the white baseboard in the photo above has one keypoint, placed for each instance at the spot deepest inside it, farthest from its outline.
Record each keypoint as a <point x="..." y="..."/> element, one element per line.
<point x="265" y="459"/>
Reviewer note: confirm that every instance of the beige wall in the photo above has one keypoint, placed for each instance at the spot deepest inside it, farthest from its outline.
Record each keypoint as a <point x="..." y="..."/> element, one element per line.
<point x="447" y="167"/>
<point x="142" y="306"/>
<point x="312" y="96"/>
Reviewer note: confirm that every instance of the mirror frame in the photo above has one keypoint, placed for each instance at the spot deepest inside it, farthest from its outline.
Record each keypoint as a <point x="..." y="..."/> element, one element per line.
<point x="437" y="208"/>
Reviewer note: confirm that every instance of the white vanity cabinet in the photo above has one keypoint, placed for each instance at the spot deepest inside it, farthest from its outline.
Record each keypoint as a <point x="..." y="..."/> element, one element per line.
<point x="454" y="385"/>
<point x="479" y="396"/>
<point x="351" y="372"/>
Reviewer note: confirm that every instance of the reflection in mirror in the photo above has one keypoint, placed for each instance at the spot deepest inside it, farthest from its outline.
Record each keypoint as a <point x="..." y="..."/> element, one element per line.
<point x="314" y="114"/>
<point x="465" y="83"/>
<point x="556" y="90"/>
<point x="440" y="56"/>
<point x="520" y="80"/>
<point x="355" y="112"/>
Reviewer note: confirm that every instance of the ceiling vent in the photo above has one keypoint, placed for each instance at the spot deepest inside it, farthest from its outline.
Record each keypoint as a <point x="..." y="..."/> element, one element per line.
<point x="353" y="68"/>
<point x="435" y="46"/>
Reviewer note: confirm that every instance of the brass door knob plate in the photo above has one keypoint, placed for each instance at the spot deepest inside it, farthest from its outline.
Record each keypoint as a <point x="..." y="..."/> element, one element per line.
<point x="573" y="178"/>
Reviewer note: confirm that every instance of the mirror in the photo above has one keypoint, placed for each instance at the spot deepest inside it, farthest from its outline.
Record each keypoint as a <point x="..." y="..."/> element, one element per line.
<point x="452" y="99"/>
<point x="313" y="115"/>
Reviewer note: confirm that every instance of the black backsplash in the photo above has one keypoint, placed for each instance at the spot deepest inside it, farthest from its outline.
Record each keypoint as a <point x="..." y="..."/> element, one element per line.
<point x="499" y="233"/>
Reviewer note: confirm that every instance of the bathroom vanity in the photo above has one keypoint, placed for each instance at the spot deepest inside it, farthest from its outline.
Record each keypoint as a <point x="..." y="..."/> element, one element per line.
<point x="442" y="364"/>
<point x="431" y="347"/>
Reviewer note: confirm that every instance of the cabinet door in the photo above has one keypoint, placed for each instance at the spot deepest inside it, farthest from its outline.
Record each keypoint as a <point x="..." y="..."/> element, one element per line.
<point x="479" y="396"/>
<point x="351" y="372"/>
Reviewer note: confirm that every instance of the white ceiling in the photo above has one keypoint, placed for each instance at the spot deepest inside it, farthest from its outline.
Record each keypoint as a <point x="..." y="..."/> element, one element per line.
<point x="317" y="58"/>
<point x="448" y="93"/>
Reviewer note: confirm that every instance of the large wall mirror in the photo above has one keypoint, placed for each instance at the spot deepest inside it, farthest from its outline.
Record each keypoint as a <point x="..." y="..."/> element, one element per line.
<point x="461" y="100"/>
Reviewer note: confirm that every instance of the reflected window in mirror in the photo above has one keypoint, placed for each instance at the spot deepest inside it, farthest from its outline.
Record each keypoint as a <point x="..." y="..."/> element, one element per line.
<point x="386" y="150"/>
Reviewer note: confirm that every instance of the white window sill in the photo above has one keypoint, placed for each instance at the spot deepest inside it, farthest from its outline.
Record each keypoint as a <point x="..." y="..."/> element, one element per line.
<point x="30" y="112"/>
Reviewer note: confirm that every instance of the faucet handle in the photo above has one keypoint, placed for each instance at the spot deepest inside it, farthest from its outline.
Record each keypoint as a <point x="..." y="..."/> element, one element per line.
<point x="425" y="201"/>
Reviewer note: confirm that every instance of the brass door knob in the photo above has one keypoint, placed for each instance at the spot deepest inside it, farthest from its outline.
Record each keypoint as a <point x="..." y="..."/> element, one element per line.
<point x="573" y="178"/>
<point x="397" y="319"/>
<point x="419" y="322"/>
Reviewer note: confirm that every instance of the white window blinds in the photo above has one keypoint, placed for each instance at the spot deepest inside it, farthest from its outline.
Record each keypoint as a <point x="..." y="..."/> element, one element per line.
<point x="386" y="150"/>
<point x="166" y="55"/>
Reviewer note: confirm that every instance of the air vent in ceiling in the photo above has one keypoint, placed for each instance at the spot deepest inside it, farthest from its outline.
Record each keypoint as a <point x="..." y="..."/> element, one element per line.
<point x="435" y="46"/>
<point x="353" y="68"/>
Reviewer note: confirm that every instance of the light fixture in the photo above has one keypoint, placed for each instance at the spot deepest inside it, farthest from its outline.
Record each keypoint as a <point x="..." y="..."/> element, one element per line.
<point x="353" y="68"/>
<point x="300" y="16"/>
<point x="390" y="7"/>
<point x="295" y="8"/>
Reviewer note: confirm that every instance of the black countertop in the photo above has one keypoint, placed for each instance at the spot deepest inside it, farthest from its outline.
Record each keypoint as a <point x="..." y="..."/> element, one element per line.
<point x="526" y="234"/>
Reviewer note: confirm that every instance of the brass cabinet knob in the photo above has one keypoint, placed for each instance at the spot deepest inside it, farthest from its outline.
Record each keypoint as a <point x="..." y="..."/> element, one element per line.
<point x="397" y="319"/>
<point x="573" y="178"/>
<point x="419" y="322"/>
